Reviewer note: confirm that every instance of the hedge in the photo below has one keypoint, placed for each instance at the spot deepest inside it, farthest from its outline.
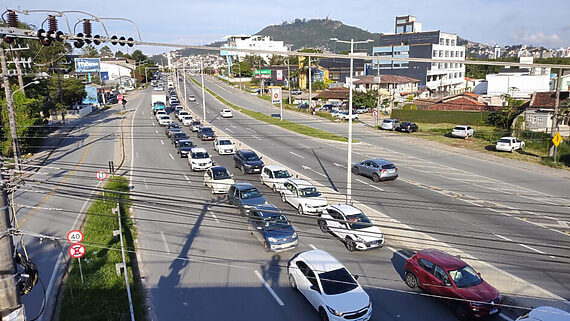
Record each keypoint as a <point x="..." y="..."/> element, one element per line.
<point x="441" y="116"/>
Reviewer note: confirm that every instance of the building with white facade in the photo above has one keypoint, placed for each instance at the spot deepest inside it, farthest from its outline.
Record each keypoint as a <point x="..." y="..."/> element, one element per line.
<point x="113" y="69"/>
<point x="497" y="52"/>
<point x="255" y="42"/>
<point x="447" y="77"/>
<point x="519" y="83"/>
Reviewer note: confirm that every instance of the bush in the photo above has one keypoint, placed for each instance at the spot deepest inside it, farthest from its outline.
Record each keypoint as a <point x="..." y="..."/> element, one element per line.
<point x="409" y="106"/>
<point x="441" y="116"/>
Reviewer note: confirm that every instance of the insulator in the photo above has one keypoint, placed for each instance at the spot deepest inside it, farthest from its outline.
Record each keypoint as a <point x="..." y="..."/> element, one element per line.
<point x="59" y="36"/>
<point x="79" y="42"/>
<point x="130" y="40"/>
<point x="97" y="40"/>
<point x="12" y="19"/>
<point x="122" y="41"/>
<point x="88" y="38"/>
<point x="87" y="27"/>
<point x="52" y="23"/>
<point x="114" y="40"/>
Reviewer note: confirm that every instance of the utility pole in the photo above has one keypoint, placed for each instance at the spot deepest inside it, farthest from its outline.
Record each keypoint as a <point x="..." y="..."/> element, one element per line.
<point x="289" y="78"/>
<point x="9" y="294"/>
<point x="203" y="94"/>
<point x="554" y="128"/>
<point x="10" y="105"/>
<point x="19" y="71"/>
<point x="184" y="79"/>
<point x="378" y="102"/>
<point x="310" y="89"/>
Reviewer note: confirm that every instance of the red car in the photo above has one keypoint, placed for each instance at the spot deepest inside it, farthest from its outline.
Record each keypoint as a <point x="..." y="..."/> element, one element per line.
<point x="441" y="274"/>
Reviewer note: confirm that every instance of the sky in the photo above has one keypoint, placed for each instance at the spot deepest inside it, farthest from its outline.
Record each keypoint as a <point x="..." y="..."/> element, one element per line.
<point x="198" y="22"/>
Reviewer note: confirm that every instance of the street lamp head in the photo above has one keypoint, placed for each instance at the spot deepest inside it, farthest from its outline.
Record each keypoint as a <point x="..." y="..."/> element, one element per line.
<point x="333" y="39"/>
<point x="369" y="40"/>
<point x="35" y="82"/>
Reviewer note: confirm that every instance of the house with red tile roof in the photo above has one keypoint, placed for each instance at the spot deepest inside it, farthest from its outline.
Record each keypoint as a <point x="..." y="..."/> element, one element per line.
<point x="539" y="112"/>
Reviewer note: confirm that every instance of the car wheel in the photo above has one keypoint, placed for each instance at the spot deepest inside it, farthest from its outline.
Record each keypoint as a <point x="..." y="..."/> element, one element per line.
<point x="300" y="210"/>
<point x="376" y="178"/>
<point x="461" y="312"/>
<point x="355" y="170"/>
<point x="512" y="149"/>
<point x="323" y="226"/>
<point x="350" y="244"/>
<point x="411" y="280"/>
<point x="323" y="314"/>
<point x="292" y="282"/>
<point x="274" y="188"/>
<point x="283" y="198"/>
<point x="265" y="246"/>
<point x="229" y="200"/>
<point x="243" y="169"/>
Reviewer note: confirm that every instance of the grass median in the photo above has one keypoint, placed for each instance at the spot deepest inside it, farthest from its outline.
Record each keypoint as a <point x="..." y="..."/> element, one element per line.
<point x="298" y="128"/>
<point x="102" y="295"/>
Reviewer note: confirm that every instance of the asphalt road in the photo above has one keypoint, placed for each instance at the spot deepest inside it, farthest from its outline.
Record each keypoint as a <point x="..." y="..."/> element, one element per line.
<point x="200" y="262"/>
<point x="509" y="216"/>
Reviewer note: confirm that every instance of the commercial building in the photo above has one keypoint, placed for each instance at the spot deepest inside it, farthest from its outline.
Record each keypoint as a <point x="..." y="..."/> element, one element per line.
<point x="255" y="42"/>
<point x="410" y="42"/>
<point x="117" y="70"/>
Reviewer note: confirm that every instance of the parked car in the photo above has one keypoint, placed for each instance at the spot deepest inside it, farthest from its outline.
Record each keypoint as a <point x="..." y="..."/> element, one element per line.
<point x="218" y="179"/>
<point x="170" y="128"/>
<point x="336" y="113"/>
<point x="272" y="228"/>
<point x="361" y="110"/>
<point x="224" y="146"/>
<point x="407" y="126"/>
<point x="206" y="133"/>
<point x="442" y="274"/>
<point x="377" y="169"/>
<point x="296" y="92"/>
<point x="389" y="124"/>
<point x="274" y="176"/>
<point x="181" y="114"/>
<point x="175" y="137"/>
<point x="303" y="106"/>
<point x="509" y="144"/>
<point x="328" y="286"/>
<point x="199" y="159"/>
<point x="187" y="120"/>
<point x="345" y="116"/>
<point x="226" y="113"/>
<point x="184" y="147"/>
<point x="545" y="313"/>
<point x="462" y="131"/>
<point x="165" y="120"/>
<point x="352" y="226"/>
<point x="248" y="161"/>
<point x="195" y="125"/>
<point x="303" y="196"/>
<point x="245" y="196"/>
<point x="191" y="98"/>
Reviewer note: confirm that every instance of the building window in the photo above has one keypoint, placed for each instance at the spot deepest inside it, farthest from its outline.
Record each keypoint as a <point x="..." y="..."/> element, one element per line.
<point x="451" y="53"/>
<point x="447" y="53"/>
<point x="533" y="120"/>
<point x="453" y="42"/>
<point x="446" y="65"/>
<point x="440" y="65"/>
<point x="435" y="53"/>
<point x="434" y="65"/>
<point x="441" y="41"/>
<point x="461" y="53"/>
<point x="447" y="42"/>
<point x="540" y="121"/>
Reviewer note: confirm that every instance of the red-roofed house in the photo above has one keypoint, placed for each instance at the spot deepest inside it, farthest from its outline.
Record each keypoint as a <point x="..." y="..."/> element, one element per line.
<point x="539" y="113"/>
<point x="464" y="101"/>
<point x="390" y="83"/>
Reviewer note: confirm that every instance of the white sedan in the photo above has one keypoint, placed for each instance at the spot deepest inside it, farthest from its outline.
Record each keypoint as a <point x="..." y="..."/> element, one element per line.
<point x="303" y="196"/>
<point x="181" y="114"/>
<point x="218" y="179"/>
<point x="509" y="144"/>
<point x="226" y="113"/>
<point x="351" y="226"/>
<point x="165" y="120"/>
<point x="199" y="159"/>
<point x="187" y="120"/>
<point x="274" y="176"/>
<point x="328" y="286"/>
<point x="160" y="113"/>
<point x="224" y="146"/>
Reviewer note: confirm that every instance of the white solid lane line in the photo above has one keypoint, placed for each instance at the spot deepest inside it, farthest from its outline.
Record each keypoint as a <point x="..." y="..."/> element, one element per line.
<point x="296" y="155"/>
<point x="395" y="251"/>
<point x="363" y="182"/>
<point x="251" y="130"/>
<point x="505" y="317"/>
<point x="504" y="238"/>
<point x="339" y="165"/>
<point x="170" y="155"/>
<point x="313" y="247"/>
<point x="161" y="142"/>
<point x="229" y="130"/>
<point x="165" y="243"/>
<point x="269" y="288"/>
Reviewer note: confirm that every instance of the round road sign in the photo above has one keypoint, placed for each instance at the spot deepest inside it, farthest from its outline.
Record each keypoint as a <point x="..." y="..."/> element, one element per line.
<point x="75" y="236"/>
<point x="76" y="251"/>
<point x="374" y="113"/>
<point x="120" y="96"/>
<point x="276" y="95"/>
<point x="101" y="175"/>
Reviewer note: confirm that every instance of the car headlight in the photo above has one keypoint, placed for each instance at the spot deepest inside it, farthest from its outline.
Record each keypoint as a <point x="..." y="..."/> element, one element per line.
<point x="359" y="239"/>
<point x="272" y="239"/>
<point x="294" y="235"/>
<point x="309" y="205"/>
<point x="334" y="312"/>
<point x="247" y="165"/>
<point x="477" y="304"/>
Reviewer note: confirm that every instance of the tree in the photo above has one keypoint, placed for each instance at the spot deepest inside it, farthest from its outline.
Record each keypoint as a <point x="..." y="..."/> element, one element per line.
<point x="241" y="69"/>
<point x="254" y="60"/>
<point x="505" y="117"/>
<point x="364" y="98"/>
<point x="139" y="56"/>
<point x="26" y="111"/>
<point x="318" y="85"/>
<point x="277" y="60"/>
<point x="119" y="54"/>
<point x="72" y="92"/>
<point x="90" y="51"/>
<point x="105" y="51"/>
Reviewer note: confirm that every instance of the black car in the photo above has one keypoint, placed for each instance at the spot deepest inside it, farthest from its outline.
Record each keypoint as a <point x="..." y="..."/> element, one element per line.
<point x="303" y="106"/>
<point x="407" y="126"/>
<point x="184" y="147"/>
<point x="170" y="128"/>
<point x="206" y="133"/>
<point x="248" y="161"/>
<point x="175" y="137"/>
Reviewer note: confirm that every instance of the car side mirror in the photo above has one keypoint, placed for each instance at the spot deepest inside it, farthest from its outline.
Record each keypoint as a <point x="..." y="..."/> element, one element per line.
<point x="314" y="288"/>
<point x="261" y="157"/>
<point x="356" y="276"/>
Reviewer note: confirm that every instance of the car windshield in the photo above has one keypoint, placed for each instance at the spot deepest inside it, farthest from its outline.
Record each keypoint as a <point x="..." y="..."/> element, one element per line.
<point x="196" y="123"/>
<point x="224" y="142"/>
<point x="282" y="173"/>
<point x="180" y="135"/>
<point x="276" y="222"/>
<point x="465" y="277"/>
<point x="459" y="128"/>
<point x="207" y="130"/>
<point x="200" y="155"/>
<point x="187" y="117"/>
<point x="249" y="194"/>
<point x="337" y="281"/>
<point x="220" y="173"/>
<point x="164" y="117"/>
<point x="358" y="221"/>
<point x="309" y="192"/>
<point x="183" y="113"/>
<point x="250" y="157"/>
<point x="186" y="144"/>
<point x="504" y="140"/>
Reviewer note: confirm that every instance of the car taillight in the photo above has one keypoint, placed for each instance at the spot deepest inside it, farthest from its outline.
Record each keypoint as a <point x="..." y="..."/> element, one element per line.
<point x="383" y="171"/>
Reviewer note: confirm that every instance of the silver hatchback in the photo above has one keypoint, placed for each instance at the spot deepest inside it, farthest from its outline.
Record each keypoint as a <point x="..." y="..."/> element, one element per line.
<point x="377" y="169"/>
<point x="389" y="124"/>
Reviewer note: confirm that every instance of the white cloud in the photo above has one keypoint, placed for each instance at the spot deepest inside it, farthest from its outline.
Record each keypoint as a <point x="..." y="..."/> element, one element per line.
<point x="539" y="39"/>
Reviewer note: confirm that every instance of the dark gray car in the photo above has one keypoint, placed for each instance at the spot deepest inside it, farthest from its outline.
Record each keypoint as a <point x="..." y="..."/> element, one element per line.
<point x="245" y="196"/>
<point x="377" y="169"/>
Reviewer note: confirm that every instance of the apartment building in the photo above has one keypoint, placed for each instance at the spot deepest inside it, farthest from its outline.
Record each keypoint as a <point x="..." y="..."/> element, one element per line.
<point x="255" y="42"/>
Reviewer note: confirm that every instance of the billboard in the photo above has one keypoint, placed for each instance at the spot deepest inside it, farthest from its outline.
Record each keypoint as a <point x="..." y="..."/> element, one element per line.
<point x="226" y="52"/>
<point x="92" y="97"/>
<point x="275" y="95"/>
<point x="87" y="64"/>
<point x="265" y="73"/>
<point x="104" y="75"/>
<point x="279" y="74"/>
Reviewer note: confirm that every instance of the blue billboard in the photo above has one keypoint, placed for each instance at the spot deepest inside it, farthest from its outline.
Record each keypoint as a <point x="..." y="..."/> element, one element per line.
<point x="92" y="97"/>
<point x="87" y="64"/>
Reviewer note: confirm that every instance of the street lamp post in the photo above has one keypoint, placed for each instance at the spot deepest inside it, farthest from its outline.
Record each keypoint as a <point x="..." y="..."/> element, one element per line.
<point x="349" y="158"/>
<point x="184" y="79"/>
<point x="203" y="95"/>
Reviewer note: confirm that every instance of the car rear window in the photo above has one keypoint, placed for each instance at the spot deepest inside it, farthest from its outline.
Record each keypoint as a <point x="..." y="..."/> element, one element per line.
<point x="387" y="121"/>
<point x="337" y="281"/>
<point x="504" y="140"/>
<point x="459" y="128"/>
<point x="388" y="166"/>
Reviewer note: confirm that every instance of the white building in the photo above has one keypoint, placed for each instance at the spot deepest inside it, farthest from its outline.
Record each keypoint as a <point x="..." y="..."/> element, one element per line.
<point x="497" y="52"/>
<point x="520" y="82"/>
<point x="255" y="42"/>
<point x="116" y="67"/>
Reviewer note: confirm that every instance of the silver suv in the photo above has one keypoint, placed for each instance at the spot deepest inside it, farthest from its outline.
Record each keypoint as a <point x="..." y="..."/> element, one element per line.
<point x="389" y="124"/>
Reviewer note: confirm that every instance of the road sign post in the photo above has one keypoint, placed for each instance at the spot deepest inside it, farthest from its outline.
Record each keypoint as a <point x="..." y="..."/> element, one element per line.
<point x="76" y="250"/>
<point x="556" y="140"/>
<point x="101" y="176"/>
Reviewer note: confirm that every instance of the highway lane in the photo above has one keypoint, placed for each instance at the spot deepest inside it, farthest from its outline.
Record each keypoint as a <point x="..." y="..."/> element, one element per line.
<point x="46" y="208"/>
<point x="216" y="258"/>
<point x="481" y="200"/>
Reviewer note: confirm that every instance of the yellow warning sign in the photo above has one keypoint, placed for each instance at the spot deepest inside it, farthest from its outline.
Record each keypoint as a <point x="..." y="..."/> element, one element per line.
<point x="557" y="139"/>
